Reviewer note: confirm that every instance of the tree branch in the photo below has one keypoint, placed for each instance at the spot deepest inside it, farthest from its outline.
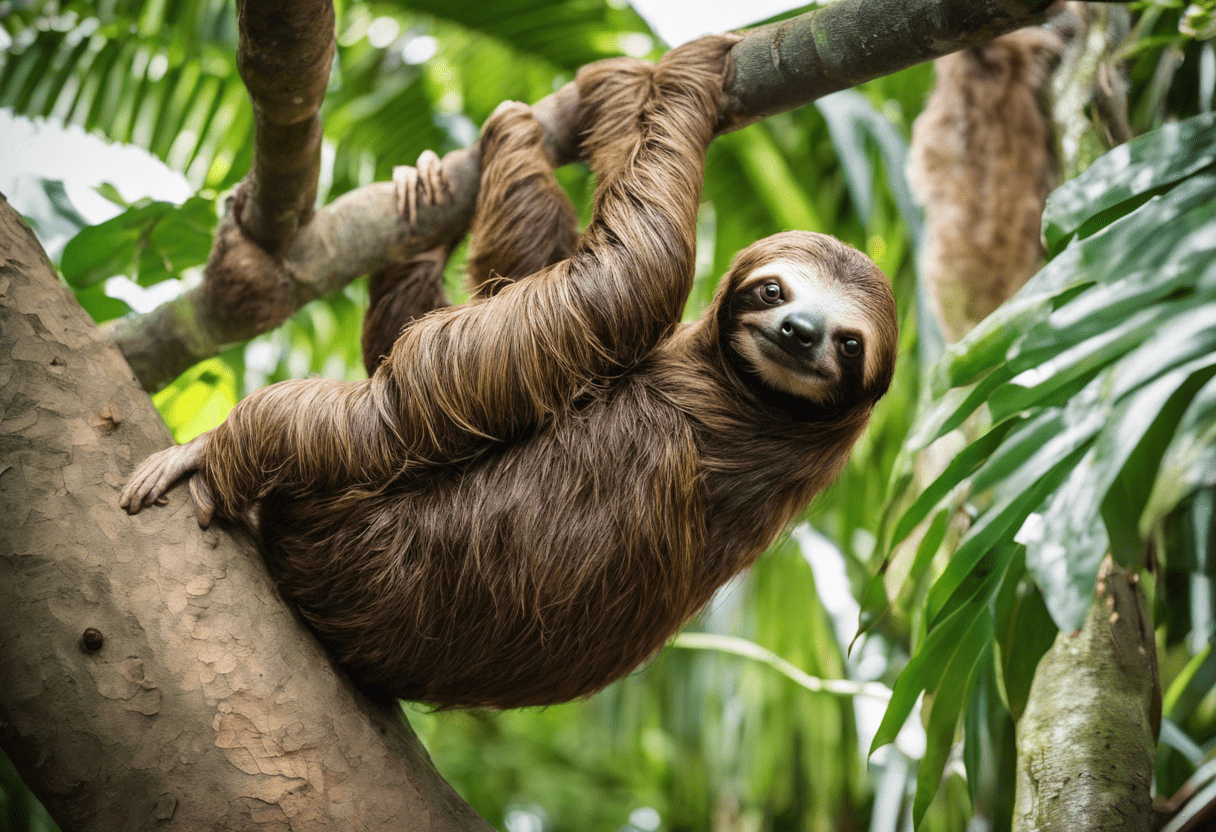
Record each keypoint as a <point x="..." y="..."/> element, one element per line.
<point x="246" y="292"/>
<point x="285" y="51"/>
<point x="152" y="672"/>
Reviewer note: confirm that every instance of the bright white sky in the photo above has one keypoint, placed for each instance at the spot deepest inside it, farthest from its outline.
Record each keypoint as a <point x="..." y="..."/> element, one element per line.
<point x="679" y="21"/>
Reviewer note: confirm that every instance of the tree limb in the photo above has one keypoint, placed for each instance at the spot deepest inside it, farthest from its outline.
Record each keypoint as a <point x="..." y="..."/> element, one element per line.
<point x="246" y="292"/>
<point x="152" y="673"/>
<point x="285" y="51"/>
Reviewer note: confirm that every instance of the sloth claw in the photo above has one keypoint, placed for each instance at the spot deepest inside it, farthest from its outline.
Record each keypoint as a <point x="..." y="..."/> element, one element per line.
<point x="204" y="500"/>
<point x="160" y="472"/>
<point x="425" y="183"/>
<point x="434" y="180"/>
<point x="405" y="190"/>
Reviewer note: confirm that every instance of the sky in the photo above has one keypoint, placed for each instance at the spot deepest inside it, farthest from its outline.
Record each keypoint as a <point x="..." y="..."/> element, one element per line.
<point x="679" y="21"/>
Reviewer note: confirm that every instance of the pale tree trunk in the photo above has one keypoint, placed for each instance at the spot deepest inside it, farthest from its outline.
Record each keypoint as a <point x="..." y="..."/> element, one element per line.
<point x="151" y="673"/>
<point x="1087" y="737"/>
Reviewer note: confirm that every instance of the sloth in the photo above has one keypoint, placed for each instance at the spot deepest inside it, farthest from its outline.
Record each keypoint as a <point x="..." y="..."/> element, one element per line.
<point x="535" y="489"/>
<point x="982" y="161"/>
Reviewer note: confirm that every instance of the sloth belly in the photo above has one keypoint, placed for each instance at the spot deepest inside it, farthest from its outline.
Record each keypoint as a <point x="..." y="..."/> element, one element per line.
<point x="537" y="574"/>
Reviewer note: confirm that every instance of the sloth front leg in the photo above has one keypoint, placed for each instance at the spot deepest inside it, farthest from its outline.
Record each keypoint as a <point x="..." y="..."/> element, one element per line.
<point x="161" y="471"/>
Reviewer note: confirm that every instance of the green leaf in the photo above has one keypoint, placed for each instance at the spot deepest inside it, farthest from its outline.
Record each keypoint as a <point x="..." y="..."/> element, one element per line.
<point x="929" y="665"/>
<point x="1151" y="162"/>
<point x="852" y="119"/>
<point x="569" y="33"/>
<point x="1024" y="632"/>
<point x="952" y="408"/>
<point x="155" y="81"/>
<point x="199" y="400"/>
<point x="1126" y="500"/>
<point x="989" y="748"/>
<point x="1191" y="686"/>
<point x="150" y="241"/>
<point x="988" y="543"/>
<point x="946" y="706"/>
<point x="962" y="466"/>
<point x="1065" y="546"/>
<point x="100" y="306"/>
<point x="1189" y="462"/>
<point x="110" y="248"/>
<point x="874" y="602"/>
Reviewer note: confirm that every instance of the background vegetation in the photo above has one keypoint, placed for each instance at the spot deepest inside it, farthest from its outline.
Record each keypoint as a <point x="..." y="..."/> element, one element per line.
<point x="703" y="738"/>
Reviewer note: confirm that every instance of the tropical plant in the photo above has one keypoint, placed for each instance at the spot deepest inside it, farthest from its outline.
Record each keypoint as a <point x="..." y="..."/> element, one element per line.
<point x="1095" y="383"/>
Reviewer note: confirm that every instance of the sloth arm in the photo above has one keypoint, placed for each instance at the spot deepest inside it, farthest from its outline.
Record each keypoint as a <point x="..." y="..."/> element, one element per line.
<point x="497" y="367"/>
<point x="308" y="433"/>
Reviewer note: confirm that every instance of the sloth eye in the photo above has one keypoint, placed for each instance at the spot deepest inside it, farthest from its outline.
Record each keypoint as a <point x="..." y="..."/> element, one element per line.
<point x="850" y="347"/>
<point x="771" y="292"/>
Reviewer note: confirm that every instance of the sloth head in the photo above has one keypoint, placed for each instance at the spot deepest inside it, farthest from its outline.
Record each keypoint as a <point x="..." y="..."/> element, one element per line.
<point x="809" y="323"/>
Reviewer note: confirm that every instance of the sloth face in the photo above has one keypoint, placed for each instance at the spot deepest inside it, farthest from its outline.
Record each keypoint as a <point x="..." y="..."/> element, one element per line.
<point x="799" y="332"/>
<point x="815" y="321"/>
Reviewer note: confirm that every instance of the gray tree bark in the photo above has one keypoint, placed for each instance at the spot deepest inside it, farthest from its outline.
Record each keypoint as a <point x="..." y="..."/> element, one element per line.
<point x="150" y="672"/>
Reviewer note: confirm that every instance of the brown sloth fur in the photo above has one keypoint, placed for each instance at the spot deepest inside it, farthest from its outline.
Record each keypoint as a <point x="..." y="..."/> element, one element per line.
<point x="536" y="488"/>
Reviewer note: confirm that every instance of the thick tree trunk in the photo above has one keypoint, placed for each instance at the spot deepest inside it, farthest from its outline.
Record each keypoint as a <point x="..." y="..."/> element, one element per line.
<point x="151" y="674"/>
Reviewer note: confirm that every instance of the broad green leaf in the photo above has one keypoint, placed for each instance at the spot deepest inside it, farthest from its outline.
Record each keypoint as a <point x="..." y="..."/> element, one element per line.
<point x="989" y="748"/>
<point x="154" y="82"/>
<point x="852" y="119"/>
<point x="1024" y="632"/>
<point x="1066" y="542"/>
<point x="988" y="543"/>
<point x="1096" y="308"/>
<point x="1134" y="243"/>
<point x="1031" y="386"/>
<point x="150" y="242"/>
<point x="99" y="305"/>
<point x="1190" y="534"/>
<point x="952" y="408"/>
<point x="1126" y="500"/>
<point x="1153" y="161"/>
<point x="929" y="663"/>
<point x="199" y="400"/>
<point x="110" y="248"/>
<point x="971" y="653"/>
<point x="1191" y="686"/>
<point x="776" y="186"/>
<point x="874" y="602"/>
<point x="569" y="33"/>
<point x="959" y="468"/>
<point x="1189" y="462"/>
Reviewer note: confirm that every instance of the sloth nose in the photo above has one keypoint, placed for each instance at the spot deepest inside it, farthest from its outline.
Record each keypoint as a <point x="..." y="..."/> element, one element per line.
<point x="802" y="330"/>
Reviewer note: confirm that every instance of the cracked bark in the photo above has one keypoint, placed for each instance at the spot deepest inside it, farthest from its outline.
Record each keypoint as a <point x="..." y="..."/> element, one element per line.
<point x="151" y="672"/>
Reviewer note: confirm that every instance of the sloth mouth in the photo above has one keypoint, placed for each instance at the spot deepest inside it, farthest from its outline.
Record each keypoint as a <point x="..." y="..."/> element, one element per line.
<point x="813" y="366"/>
